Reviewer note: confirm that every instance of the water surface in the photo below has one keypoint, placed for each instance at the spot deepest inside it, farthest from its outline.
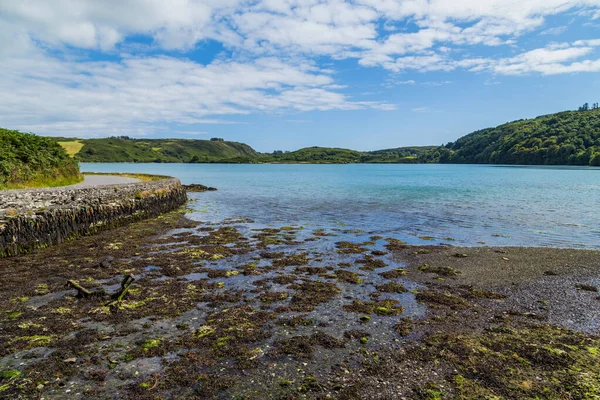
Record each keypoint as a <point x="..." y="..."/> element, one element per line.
<point x="472" y="204"/>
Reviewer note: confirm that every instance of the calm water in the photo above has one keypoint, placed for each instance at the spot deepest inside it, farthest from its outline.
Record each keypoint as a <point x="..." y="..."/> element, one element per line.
<point x="498" y="205"/>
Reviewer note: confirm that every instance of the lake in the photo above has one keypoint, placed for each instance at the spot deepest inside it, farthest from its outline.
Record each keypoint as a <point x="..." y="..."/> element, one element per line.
<point x="471" y="204"/>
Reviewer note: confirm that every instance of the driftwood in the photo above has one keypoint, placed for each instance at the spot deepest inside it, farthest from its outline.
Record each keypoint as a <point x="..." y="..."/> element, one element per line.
<point x="117" y="297"/>
<point x="125" y="285"/>
<point x="81" y="291"/>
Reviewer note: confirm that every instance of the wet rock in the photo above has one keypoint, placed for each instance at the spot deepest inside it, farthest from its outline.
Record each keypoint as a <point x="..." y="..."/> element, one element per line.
<point x="195" y="187"/>
<point x="44" y="217"/>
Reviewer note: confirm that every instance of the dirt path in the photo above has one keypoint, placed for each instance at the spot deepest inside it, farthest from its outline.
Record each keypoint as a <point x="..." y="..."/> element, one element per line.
<point x="103" y="180"/>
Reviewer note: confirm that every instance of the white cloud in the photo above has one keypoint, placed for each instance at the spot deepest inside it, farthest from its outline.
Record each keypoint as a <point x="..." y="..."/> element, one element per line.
<point x="269" y="64"/>
<point x="421" y="109"/>
<point x="139" y="93"/>
<point x="591" y="43"/>
<point x="437" y="83"/>
<point x="557" y="30"/>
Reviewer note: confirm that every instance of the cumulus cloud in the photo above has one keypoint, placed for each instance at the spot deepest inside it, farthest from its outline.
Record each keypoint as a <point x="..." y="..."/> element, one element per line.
<point x="270" y="62"/>
<point x="139" y="93"/>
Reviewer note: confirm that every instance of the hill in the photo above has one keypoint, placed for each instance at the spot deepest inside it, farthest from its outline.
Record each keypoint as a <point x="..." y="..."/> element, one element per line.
<point x="124" y="149"/>
<point x="565" y="138"/>
<point x="332" y="155"/>
<point x="27" y="160"/>
<point x="399" y="155"/>
<point x="315" y="155"/>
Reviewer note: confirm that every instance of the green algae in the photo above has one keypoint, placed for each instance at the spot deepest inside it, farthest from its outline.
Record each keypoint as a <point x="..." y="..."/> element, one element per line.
<point x="10" y="374"/>
<point x="348" y="277"/>
<point x="395" y="244"/>
<point x="351" y="248"/>
<point x="34" y="340"/>
<point x="434" y="298"/>
<point x="204" y="331"/>
<point x="442" y="271"/>
<point x="392" y="287"/>
<point x="14" y="315"/>
<point x="272" y="297"/>
<point x="536" y="362"/>
<point x="42" y="289"/>
<point x="393" y="274"/>
<point x="386" y="307"/>
<point x="151" y="344"/>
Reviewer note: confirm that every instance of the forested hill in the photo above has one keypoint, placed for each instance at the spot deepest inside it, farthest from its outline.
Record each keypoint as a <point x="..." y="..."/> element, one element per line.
<point x="565" y="138"/>
<point x="124" y="149"/>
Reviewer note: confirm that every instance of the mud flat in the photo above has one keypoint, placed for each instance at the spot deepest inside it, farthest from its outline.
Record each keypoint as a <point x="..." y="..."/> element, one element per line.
<point x="239" y="311"/>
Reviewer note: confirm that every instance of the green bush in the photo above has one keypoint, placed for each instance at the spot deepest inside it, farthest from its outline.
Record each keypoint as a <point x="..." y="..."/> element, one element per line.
<point x="27" y="160"/>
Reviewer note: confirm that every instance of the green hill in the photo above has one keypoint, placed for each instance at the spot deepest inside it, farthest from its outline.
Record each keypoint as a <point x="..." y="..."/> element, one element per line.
<point x="27" y="160"/>
<point x="565" y="138"/>
<point x="399" y="155"/>
<point x="331" y="155"/>
<point x="315" y="155"/>
<point x="124" y="149"/>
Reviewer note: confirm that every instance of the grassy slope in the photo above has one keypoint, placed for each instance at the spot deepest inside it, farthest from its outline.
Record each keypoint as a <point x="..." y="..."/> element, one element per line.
<point x="72" y="147"/>
<point x="27" y="160"/>
<point x="160" y="150"/>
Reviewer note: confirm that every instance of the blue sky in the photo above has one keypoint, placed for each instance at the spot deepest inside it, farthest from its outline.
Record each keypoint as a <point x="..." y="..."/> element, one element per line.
<point x="285" y="74"/>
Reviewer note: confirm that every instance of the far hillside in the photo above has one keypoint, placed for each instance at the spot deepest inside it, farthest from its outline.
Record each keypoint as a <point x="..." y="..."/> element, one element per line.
<point x="27" y="160"/>
<point x="124" y="149"/>
<point x="331" y="155"/>
<point x="565" y="138"/>
<point x="315" y="155"/>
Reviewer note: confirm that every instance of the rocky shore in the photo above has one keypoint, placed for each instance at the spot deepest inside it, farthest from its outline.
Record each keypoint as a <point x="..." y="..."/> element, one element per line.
<point x="31" y="219"/>
<point x="237" y="311"/>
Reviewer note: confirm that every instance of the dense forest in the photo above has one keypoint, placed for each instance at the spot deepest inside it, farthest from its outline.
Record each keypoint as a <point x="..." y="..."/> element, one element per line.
<point x="329" y="155"/>
<point x="27" y="160"/>
<point x="565" y="138"/>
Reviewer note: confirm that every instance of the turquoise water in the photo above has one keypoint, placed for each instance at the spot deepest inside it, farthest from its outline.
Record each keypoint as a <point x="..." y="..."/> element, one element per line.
<point x="496" y="205"/>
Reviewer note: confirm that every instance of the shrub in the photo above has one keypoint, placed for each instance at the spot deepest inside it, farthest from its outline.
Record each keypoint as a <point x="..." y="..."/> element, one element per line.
<point x="27" y="160"/>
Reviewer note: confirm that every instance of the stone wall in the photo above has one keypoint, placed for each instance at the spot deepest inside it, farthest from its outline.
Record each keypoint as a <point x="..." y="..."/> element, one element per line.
<point x="36" y="218"/>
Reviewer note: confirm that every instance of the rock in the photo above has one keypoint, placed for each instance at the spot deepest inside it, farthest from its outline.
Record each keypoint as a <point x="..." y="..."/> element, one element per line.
<point x="195" y="187"/>
<point x="70" y="360"/>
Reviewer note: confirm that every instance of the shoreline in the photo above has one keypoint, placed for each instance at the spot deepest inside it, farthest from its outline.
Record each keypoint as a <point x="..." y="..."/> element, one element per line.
<point x="37" y="218"/>
<point x="222" y="310"/>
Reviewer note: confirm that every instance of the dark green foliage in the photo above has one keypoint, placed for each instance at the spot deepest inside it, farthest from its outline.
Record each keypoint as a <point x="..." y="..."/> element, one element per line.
<point x="164" y="150"/>
<point x="565" y="138"/>
<point x="316" y="155"/>
<point x="405" y="155"/>
<point x="329" y="155"/>
<point x="27" y="160"/>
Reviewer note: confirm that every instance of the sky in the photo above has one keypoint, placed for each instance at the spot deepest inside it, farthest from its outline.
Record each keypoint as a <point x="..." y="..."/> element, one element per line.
<point x="286" y="74"/>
